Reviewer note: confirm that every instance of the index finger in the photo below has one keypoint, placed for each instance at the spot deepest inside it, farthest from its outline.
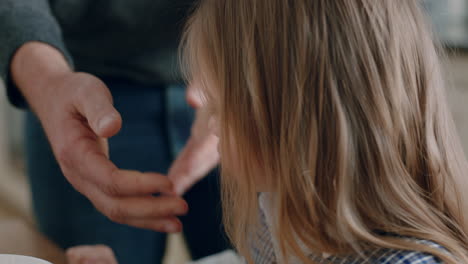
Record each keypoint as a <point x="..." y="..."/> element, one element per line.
<point x="94" y="166"/>
<point x="116" y="182"/>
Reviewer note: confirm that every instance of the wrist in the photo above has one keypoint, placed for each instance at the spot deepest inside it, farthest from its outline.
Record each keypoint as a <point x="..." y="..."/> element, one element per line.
<point x="35" y="66"/>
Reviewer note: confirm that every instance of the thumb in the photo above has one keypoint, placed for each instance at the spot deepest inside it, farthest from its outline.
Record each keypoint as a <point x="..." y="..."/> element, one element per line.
<point x="96" y="106"/>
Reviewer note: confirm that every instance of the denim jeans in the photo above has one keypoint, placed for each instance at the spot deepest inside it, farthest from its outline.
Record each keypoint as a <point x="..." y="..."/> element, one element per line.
<point x="156" y="124"/>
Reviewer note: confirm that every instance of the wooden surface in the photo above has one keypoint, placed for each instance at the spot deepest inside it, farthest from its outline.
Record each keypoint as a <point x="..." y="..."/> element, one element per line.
<point x="19" y="238"/>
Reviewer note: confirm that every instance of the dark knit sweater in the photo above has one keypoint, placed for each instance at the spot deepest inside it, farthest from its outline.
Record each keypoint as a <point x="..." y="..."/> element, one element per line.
<point x="134" y="39"/>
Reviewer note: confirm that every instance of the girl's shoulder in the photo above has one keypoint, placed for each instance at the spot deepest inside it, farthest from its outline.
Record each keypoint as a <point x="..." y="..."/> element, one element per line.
<point x="389" y="256"/>
<point x="394" y="256"/>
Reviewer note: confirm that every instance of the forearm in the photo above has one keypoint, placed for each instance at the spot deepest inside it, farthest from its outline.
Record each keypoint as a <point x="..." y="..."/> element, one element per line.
<point x="22" y="22"/>
<point x="33" y="66"/>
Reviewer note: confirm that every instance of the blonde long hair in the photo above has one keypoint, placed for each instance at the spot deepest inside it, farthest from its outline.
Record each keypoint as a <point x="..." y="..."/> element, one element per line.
<point x="338" y="107"/>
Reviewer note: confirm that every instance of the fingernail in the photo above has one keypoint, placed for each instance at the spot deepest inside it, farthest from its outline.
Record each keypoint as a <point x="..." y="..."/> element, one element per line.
<point x="181" y="210"/>
<point x="170" y="193"/>
<point x="105" y="121"/>
<point x="179" y="191"/>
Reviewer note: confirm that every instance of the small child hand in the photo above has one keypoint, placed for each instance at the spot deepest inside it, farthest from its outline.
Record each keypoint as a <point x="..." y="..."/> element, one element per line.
<point x="96" y="254"/>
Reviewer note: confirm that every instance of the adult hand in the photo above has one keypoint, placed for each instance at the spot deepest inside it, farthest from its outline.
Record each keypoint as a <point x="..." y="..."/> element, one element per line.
<point x="77" y="114"/>
<point x="200" y="155"/>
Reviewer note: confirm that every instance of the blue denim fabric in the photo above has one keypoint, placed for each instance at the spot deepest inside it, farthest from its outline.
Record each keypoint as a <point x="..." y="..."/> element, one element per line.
<point x="156" y="124"/>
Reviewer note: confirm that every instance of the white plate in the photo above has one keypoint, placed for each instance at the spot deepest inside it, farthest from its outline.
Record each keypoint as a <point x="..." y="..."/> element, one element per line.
<point x="15" y="259"/>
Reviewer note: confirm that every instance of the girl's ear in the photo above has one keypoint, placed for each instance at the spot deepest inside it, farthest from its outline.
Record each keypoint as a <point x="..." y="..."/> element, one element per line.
<point x="213" y="126"/>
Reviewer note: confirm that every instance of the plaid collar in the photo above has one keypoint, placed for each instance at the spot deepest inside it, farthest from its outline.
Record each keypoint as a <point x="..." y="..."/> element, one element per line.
<point x="265" y="251"/>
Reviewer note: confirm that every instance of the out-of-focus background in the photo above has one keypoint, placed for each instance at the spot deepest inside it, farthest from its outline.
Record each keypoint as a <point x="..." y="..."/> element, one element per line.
<point x="17" y="230"/>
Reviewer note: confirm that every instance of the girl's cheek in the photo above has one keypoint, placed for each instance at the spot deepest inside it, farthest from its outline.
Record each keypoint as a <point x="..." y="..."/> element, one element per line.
<point x="213" y="126"/>
<point x="214" y="129"/>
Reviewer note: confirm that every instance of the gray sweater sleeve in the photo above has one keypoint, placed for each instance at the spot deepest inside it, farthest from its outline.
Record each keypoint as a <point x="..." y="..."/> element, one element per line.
<point x="23" y="21"/>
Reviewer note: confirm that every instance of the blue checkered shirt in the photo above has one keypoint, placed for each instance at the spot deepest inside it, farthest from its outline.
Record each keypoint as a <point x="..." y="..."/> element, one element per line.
<point x="263" y="252"/>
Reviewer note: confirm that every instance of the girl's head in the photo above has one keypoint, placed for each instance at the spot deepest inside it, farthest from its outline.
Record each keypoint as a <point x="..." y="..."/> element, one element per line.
<point x="338" y="108"/>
